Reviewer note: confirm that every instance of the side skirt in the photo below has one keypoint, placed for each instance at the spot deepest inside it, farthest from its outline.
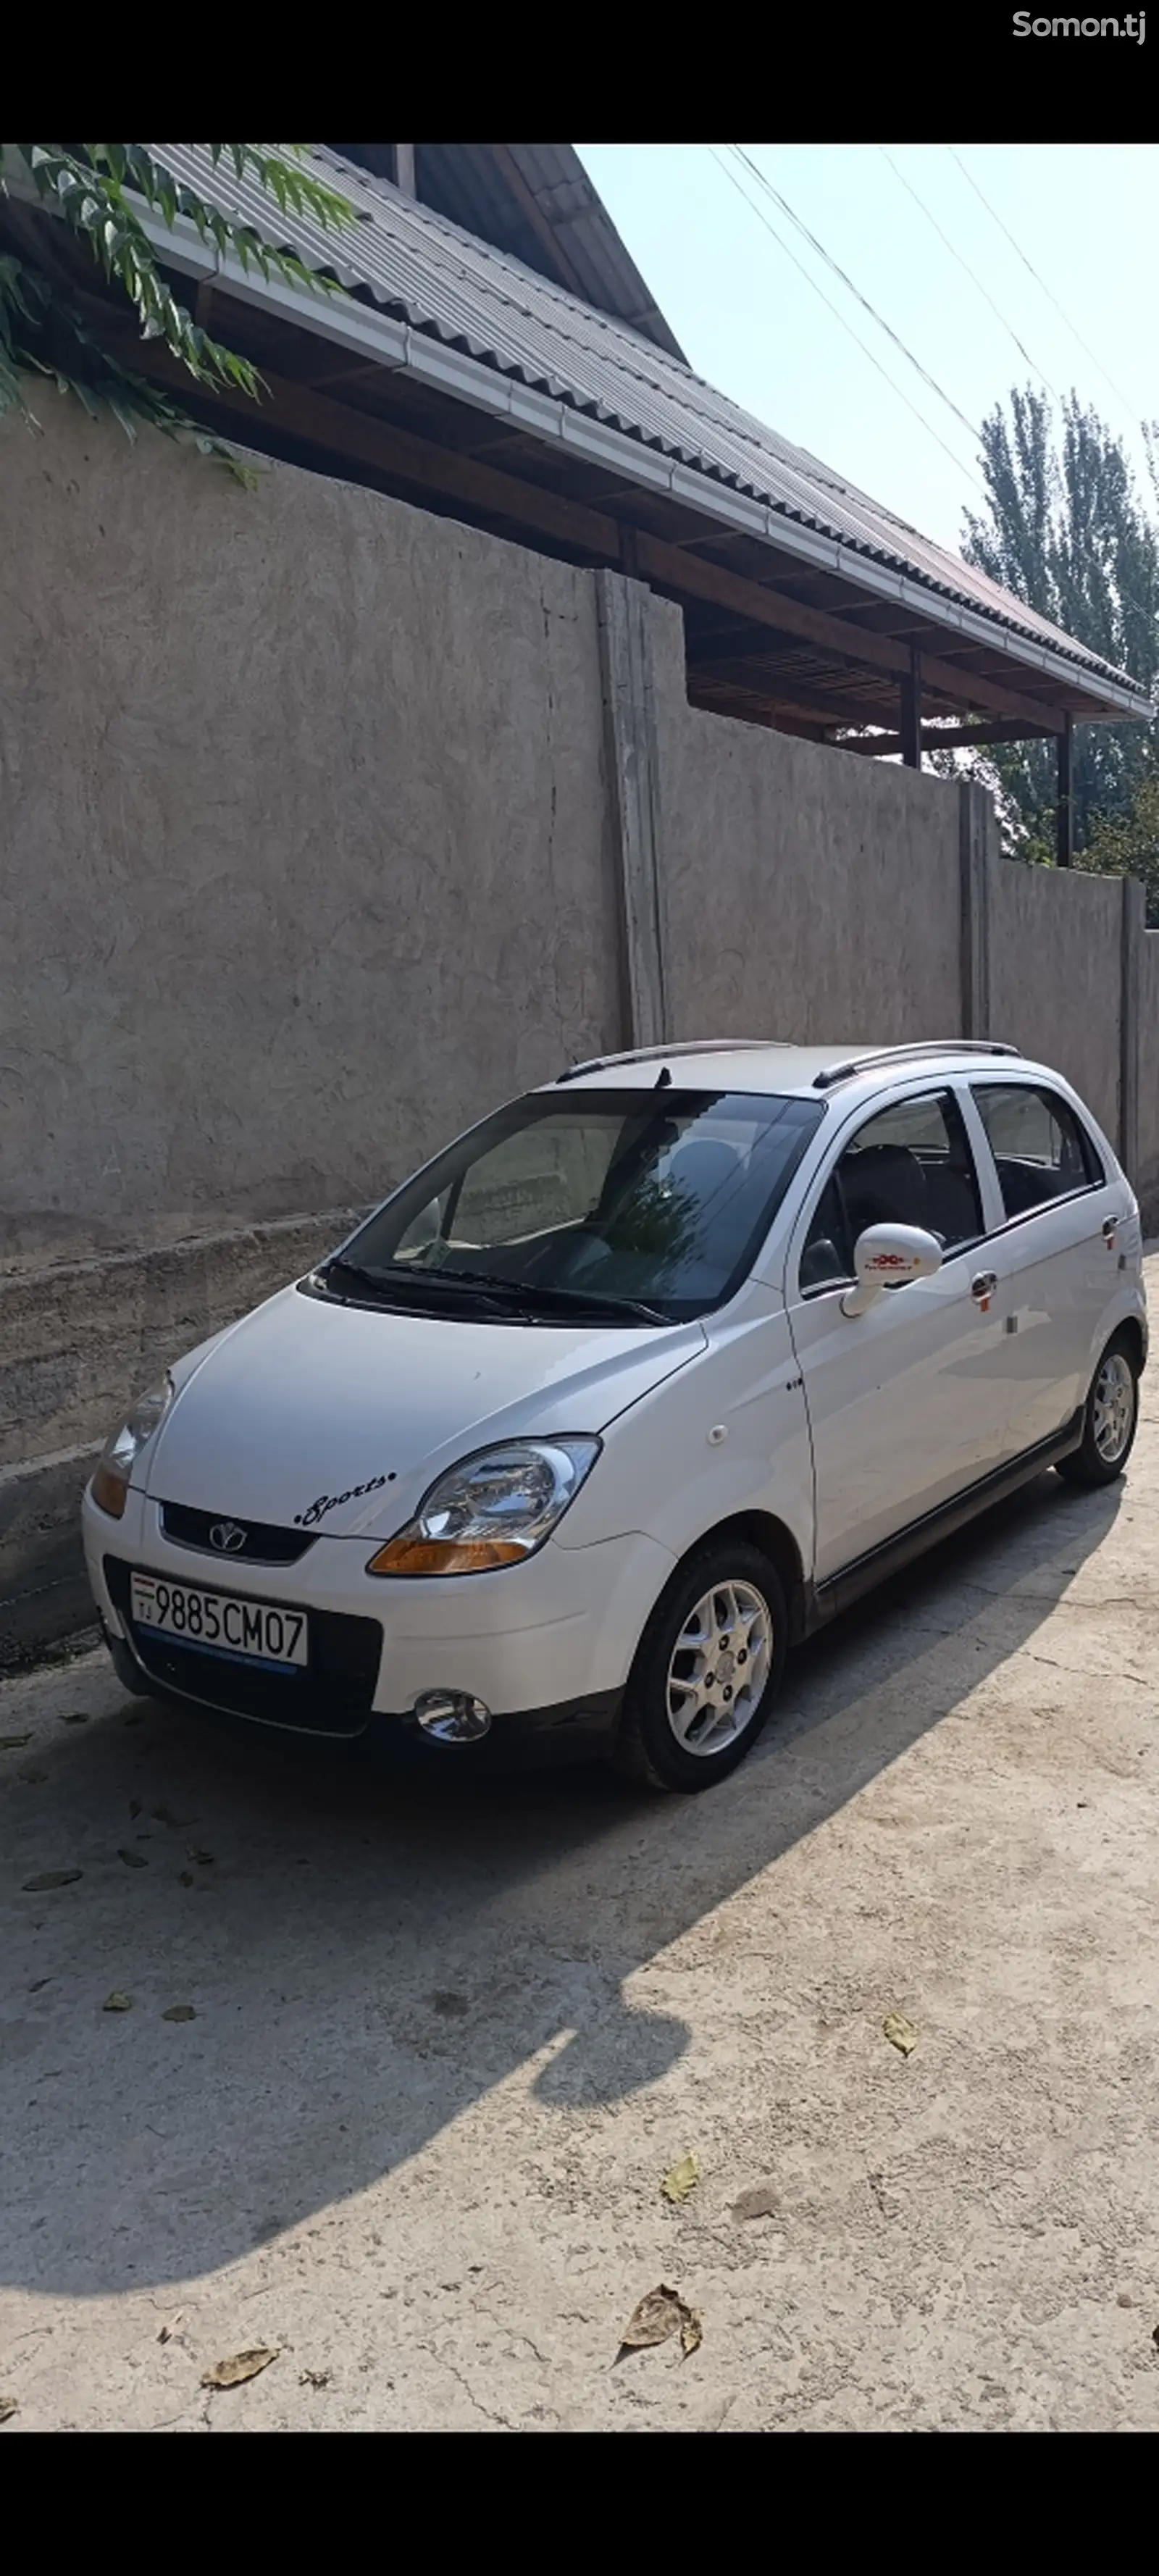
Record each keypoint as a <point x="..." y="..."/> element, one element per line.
<point x="824" y="1601"/>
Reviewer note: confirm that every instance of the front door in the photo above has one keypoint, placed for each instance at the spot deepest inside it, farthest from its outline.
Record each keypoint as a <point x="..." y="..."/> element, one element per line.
<point x="907" y="1403"/>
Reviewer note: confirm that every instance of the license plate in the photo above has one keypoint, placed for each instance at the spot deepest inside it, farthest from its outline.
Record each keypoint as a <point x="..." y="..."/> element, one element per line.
<point x="251" y="1632"/>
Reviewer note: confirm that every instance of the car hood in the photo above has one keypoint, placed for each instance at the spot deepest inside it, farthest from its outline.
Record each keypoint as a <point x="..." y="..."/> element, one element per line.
<point x="338" y="1417"/>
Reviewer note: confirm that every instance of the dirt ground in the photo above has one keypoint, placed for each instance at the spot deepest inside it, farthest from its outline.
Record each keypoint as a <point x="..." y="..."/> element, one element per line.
<point x="446" y="2039"/>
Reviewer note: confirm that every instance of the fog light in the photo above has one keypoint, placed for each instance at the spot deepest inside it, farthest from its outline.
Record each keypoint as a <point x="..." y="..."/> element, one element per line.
<point x="453" y="1717"/>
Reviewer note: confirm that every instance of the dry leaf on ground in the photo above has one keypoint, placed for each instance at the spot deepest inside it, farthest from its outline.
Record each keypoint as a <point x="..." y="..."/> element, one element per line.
<point x="50" y="1878"/>
<point x="660" y="2313"/>
<point x="117" y="2003"/>
<point x="203" y="1858"/>
<point x="900" y="2033"/>
<point x="313" y="2379"/>
<point x="15" y="1743"/>
<point x="9" y="2406"/>
<point x="681" y="2178"/>
<point x="179" y="2012"/>
<point x="74" y="1717"/>
<point x="169" y="2329"/>
<point x="240" y="2366"/>
<point x="132" y="1859"/>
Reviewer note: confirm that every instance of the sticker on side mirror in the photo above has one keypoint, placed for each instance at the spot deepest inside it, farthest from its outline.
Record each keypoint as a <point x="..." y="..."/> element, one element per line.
<point x="889" y="1256"/>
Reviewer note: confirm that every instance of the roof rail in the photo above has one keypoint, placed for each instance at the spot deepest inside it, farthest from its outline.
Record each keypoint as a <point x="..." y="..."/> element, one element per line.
<point x="660" y="1054"/>
<point x="854" y="1064"/>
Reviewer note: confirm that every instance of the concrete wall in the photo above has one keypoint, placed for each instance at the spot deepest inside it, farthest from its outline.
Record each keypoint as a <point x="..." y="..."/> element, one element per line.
<point x="75" y="1338"/>
<point x="325" y="824"/>
<point x="1147" y="1177"/>
<point x="809" y="893"/>
<point x="1055" y="968"/>
<point x="304" y="840"/>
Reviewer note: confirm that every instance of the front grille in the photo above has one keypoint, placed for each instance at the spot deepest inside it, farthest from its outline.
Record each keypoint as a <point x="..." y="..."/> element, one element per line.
<point x="331" y="1695"/>
<point x="264" y="1542"/>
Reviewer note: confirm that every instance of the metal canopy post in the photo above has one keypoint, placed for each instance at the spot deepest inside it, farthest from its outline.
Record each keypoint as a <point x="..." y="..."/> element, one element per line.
<point x="1064" y="842"/>
<point x="911" y="713"/>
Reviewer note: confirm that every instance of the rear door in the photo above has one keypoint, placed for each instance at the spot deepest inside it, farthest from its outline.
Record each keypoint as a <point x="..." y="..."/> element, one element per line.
<point x="1057" y="1244"/>
<point x="907" y="1403"/>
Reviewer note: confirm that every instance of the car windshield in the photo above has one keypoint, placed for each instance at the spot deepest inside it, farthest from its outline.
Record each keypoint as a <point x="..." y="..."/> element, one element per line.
<point x="641" y="1206"/>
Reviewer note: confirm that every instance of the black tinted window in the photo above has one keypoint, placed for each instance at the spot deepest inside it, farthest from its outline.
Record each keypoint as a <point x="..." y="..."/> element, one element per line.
<point x="1041" y="1149"/>
<point x="910" y="1164"/>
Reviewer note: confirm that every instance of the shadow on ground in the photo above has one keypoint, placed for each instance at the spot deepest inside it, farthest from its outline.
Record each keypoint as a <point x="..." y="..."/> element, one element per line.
<point x="364" y="1959"/>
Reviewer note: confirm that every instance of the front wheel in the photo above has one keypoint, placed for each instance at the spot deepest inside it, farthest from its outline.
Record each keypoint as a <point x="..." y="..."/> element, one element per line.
<point x="1110" y="1420"/>
<point x="707" y="1670"/>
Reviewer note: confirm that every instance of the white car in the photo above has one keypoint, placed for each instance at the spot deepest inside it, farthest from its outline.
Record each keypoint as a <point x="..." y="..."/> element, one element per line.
<point x="640" y="1381"/>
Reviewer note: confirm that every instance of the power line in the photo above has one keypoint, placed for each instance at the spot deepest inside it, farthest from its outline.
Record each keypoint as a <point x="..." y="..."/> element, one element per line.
<point x="1127" y="598"/>
<point x="846" y="325"/>
<point x="975" y="280"/>
<point x="847" y="281"/>
<point x="1072" y="327"/>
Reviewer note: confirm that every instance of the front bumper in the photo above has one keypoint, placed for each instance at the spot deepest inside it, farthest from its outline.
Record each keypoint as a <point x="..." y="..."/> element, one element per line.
<point x="547" y="1646"/>
<point x="566" y="1732"/>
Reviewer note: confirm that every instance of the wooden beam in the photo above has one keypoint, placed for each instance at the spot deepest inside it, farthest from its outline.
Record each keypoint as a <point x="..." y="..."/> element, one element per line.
<point x="911" y="713"/>
<point x="630" y="553"/>
<point x="355" y="370"/>
<point x="955" y="737"/>
<point x="797" y="695"/>
<point x="671" y="569"/>
<point x="1064" y="821"/>
<point x="395" y="454"/>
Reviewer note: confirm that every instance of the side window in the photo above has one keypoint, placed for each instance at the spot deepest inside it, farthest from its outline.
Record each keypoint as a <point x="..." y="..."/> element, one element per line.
<point x="1041" y="1149"/>
<point x="909" y="1165"/>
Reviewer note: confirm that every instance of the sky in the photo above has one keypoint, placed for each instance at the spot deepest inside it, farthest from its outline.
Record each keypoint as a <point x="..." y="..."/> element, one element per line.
<point x="1085" y="216"/>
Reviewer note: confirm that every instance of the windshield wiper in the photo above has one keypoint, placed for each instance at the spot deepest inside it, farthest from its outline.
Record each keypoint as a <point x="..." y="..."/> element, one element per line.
<point x="532" y="1292"/>
<point x="490" y="1288"/>
<point x="389" y="1287"/>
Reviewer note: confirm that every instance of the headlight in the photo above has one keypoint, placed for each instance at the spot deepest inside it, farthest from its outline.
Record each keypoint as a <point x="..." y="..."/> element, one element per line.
<point x="120" y="1454"/>
<point x="493" y="1509"/>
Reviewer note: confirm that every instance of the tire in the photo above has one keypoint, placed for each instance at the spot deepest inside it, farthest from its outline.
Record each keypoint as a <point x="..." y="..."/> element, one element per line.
<point x="674" y="1690"/>
<point x="1110" y="1419"/>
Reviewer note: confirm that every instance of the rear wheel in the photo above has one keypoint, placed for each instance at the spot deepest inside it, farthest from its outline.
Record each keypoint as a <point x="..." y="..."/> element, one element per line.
<point x="707" y="1670"/>
<point x="1110" y="1420"/>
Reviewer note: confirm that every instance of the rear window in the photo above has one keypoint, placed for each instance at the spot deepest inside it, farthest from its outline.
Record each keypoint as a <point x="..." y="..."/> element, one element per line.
<point x="1041" y="1149"/>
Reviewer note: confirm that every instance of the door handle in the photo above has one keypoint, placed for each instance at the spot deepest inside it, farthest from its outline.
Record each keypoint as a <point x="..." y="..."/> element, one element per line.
<point x="982" y="1287"/>
<point x="1111" y="1226"/>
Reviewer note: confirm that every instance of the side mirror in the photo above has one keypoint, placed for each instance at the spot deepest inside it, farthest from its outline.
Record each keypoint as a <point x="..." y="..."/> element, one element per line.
<point x="886" y="1256"/>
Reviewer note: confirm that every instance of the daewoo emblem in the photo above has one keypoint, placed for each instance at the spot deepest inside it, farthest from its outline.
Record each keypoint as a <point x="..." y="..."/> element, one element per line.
<point x="229" y="1536"/>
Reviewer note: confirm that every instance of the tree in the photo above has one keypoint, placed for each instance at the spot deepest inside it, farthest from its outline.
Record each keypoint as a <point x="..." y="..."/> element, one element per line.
<point x="1128" y="845"/>
<point x="97" y="190"/>
<point x="1064" y="529"/>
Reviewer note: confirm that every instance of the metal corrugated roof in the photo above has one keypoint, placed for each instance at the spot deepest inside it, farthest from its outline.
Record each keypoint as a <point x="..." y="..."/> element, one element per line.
<point x="450" y="285"/>
<point x="536" y="201"/>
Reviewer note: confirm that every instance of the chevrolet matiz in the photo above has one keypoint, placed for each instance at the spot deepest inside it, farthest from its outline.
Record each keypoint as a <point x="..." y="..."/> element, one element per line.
<point x="634" y="1385"/>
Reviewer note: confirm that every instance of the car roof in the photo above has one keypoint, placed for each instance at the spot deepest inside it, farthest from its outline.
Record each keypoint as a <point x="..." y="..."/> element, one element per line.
<point x="764" y="1064"/>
